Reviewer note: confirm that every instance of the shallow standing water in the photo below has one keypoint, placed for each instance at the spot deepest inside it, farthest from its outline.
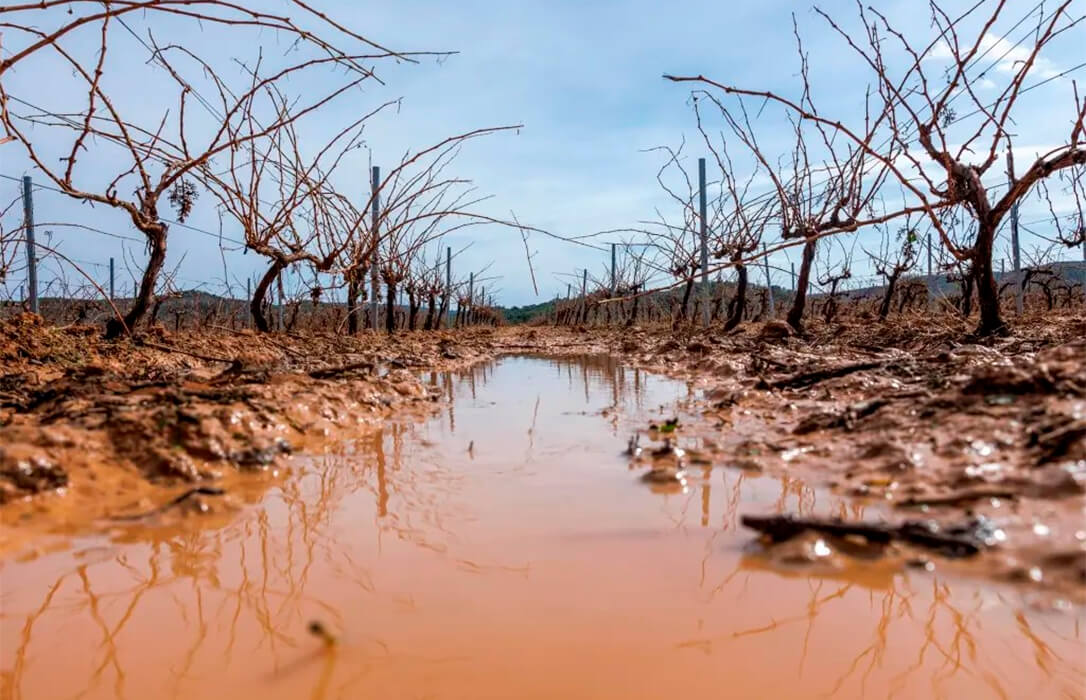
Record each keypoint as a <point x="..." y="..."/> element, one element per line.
<point x="505" y="548"/>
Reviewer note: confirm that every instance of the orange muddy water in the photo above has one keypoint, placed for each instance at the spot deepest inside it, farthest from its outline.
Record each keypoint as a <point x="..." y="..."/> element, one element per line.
<point x="506" y="548"/>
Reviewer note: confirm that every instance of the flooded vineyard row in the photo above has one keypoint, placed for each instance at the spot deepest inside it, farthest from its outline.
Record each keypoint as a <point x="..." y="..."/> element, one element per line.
<point x="508" y="547"/>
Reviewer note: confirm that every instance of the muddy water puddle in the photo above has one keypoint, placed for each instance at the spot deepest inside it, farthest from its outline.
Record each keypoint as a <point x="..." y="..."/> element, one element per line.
<point x="506" y="548"/>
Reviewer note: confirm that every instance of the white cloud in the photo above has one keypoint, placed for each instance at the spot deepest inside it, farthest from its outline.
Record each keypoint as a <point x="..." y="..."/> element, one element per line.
<point x="1010" y="57"/>
<point x="999" y="54"/>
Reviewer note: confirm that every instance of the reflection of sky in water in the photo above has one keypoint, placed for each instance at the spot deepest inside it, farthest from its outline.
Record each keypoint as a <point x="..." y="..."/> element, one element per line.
<point x="532" y="565"/>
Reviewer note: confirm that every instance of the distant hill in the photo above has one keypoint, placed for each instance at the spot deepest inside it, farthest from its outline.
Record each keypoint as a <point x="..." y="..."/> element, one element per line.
<point x="528" y="313"/>
<point x="1069" y="270"/>
<point x="524" y="314"/>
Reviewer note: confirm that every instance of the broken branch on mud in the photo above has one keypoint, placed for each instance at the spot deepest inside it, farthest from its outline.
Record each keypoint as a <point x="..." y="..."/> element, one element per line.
<point x="198" y="491"/>
<point x="807" y="379"/>
<point x="956" y="542"/>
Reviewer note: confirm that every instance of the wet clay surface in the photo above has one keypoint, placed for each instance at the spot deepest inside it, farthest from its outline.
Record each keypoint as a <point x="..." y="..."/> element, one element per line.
<point x="94" y="431"/>
<point x="939" y="430"/>
<point x="518" y="544"/>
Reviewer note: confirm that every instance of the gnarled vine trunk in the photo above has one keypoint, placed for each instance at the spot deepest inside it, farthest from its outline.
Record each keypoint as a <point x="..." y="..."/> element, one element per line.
<point x="390" y="307"/>
<point x="686" y="298"/>
<point x="354" y="292"/>
<point x="431" y="302"/>
<point x="633" y="310"/>
<point x="442" y="319"/>
<point x="984" y="278"/>
<point x="738" y="303"/>
<point x="156" y="241"/>
<point x="256" y="304"/>
<point x="412" y="309"/>
<point x="967" y="294"/>
<point x="799" y="303"/>
<point x="888" y="296"/>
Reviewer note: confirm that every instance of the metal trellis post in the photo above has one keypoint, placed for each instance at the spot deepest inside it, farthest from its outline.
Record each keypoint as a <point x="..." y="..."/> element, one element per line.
<point x="31" y="250"/>
<point x="702" y="215"/>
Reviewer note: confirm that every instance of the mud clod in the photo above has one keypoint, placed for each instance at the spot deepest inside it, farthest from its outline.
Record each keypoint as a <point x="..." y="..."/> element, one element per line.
<point x="25" y="475"/>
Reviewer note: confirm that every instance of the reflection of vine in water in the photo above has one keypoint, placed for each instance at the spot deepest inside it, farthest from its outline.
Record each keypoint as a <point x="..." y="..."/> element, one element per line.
<point x="1044" y="655"/>
<point x="406" y="506"/>
<point x="275" y="601"/>
<point x="940" y="594"/>
<point x="271" y="554"/>
<point x="19" y="666"/>
<point x="952" y="632"/>
<point x="529" y="451"/>
<point x="804" y="495"/>
<point x="91" y="605"/>
<point x="959" y="649"/>
<point x="733" y="499"/>
<point x="109" y="658"/>
<point x="876" y="650"/>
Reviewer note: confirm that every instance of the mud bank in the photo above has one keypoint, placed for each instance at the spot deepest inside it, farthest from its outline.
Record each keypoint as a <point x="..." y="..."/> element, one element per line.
<point x="94" y="431"/>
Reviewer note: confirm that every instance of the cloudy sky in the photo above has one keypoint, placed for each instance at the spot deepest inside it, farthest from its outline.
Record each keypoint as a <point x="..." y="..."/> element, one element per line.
<point x="584" y="78"/>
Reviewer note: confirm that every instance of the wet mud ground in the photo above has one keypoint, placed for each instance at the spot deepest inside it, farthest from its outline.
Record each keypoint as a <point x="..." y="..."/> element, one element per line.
<point x="487" y="528"/>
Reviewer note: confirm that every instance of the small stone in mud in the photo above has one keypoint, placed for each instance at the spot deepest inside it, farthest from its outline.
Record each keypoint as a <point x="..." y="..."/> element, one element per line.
<point x="981" y="529"/>
<point x="988" y="471"/>
<point x="51" y="437"/>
